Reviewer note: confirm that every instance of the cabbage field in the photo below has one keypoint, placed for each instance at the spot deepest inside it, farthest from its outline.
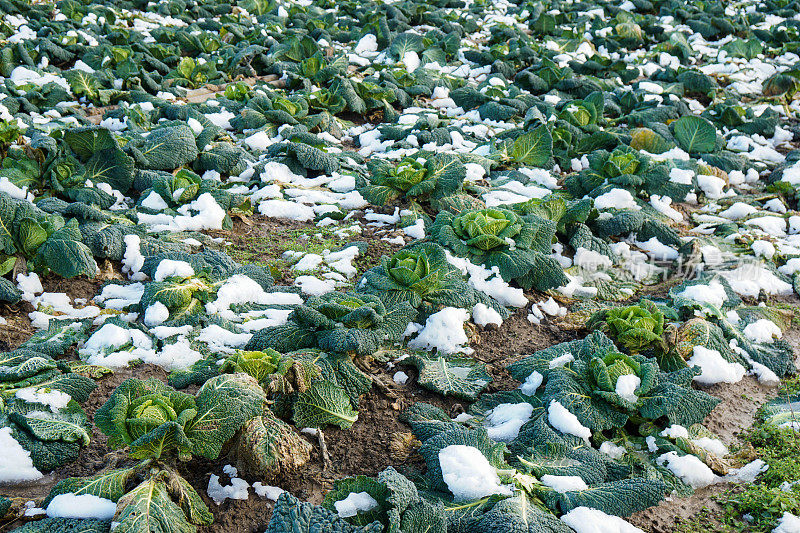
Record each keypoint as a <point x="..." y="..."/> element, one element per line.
<point x="403" y="266"/>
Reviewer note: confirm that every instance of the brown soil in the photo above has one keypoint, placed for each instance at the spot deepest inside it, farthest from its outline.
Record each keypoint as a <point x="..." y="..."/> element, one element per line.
<point x="262" y="240"/>
<point x="665" y="517"/>
<point x="737" y="410"/>
<point x="18" y="326"/>
<point x="515" y="339"/>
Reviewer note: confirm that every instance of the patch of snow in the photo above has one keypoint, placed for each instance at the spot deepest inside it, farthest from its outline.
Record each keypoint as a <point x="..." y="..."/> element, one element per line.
<point x="416" y="230"/>
<point x="748" y="473"/>
<point x="504" y="421"/>
<point x="586" y="520"/>
<point x="368" y="43"/>
<point x="133" y="260"/>
<point x="82" y="506"/>
<point x="443" y="331"/>
<point x="712" y="186"/>
<point x="564" y="484"/>
<point x="626" y="385"/>
<point x="482" y="315"/>
<point x="658" y="250"/>
<point x="763" y="249"/>
<point x="489" y="281"/>
<point x="267" y="491"/>
<point x="788" y="523"/>
<point x="675" y="431"/>
<point x="156" y="314"/>
<point x="712" y="294"/>
<point x="612" y="450"/>
<point x="176" y="356"/>
<point x="561" y="360"/>
<point x="314" y="286"/>
<point x="286" y="210"/>
<point x="662" y="205"/>
<point x="468" y="474"/>
<point x="715" y="446"/>
<point x="737" y="211"/>
<point x="531" y="383"/>
<point x="354" y="503"/>
<point x="237" y="490"/>
<point x="52" y="398"/>
<point x="714" y="368"/>
<point x="591" y="260"/>
<point x="29" y="284"/>
<point x="566" y="422"/>
<point x="751" y="278"/>
<point x="169" y="268"/>
<point x="16" y="465"/>
<point x="762" y="331"/>
<point x="689" y="468"/>
<point x="616" y="199"/>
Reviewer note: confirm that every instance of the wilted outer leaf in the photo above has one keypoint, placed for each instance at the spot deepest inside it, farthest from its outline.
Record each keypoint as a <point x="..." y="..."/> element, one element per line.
<point x="718" y="464"/>
<point x="188" y="499"/>
<point x="270" y="448"/>
<point x="649" y="141"/>
<point x="88" y="371"/>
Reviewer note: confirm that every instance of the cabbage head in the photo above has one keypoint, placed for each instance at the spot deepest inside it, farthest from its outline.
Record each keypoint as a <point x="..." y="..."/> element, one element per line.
<point x="519" y="246"/>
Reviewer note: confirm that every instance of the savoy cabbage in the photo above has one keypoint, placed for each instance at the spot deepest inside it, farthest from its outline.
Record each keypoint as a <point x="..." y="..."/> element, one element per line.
<point x="338" y="322"/>
<point x="519" y="246"/>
